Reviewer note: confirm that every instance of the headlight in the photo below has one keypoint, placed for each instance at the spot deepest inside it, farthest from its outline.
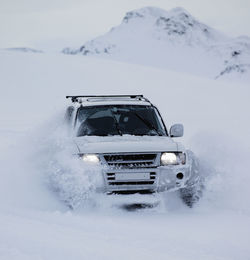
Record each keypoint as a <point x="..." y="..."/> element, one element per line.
<point x="168" y="158"/>
<point x="173" y="158"/>
<point x="91" y="158"/>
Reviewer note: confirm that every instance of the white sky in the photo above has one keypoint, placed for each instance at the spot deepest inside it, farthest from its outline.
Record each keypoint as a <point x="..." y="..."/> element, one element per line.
<point x="54" y="24"/>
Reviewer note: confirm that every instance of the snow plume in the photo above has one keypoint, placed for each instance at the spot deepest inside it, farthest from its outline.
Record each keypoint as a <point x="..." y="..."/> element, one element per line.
<point x="72" y="180"/>
<point x="224" y="163"/>
<point x="44" y="169"/>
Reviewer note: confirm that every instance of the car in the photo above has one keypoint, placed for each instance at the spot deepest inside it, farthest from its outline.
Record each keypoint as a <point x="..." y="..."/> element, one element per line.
<point x="126" y="136"/>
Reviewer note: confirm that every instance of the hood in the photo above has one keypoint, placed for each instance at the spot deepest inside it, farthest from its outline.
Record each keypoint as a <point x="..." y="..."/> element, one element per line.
<point x="120" y="144"/>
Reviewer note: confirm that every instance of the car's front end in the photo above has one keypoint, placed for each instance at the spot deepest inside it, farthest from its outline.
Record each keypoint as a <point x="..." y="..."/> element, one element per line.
<point x="137" y="164"/>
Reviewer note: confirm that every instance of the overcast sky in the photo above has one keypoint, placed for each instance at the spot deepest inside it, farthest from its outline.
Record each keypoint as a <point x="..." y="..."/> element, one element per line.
<point x="54" y="24"/>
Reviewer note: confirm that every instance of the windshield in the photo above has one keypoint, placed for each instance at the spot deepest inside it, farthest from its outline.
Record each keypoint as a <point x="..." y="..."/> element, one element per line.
<point x="119" y="120"/>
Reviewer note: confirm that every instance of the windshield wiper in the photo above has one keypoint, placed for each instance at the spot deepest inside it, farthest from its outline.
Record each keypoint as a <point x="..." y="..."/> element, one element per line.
<point x="148" y="124"/>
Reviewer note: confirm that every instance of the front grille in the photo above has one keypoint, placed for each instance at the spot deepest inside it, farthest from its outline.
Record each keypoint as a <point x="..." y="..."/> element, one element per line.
<point x="130" y="160"/>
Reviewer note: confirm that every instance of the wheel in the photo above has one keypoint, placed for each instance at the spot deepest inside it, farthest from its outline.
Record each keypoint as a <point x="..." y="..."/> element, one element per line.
<point x="191" y="194"/>
<point x="193" y="191"/>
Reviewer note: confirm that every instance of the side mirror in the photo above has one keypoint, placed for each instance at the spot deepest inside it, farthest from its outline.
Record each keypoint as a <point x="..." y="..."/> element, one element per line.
<point x="176" y="130"/>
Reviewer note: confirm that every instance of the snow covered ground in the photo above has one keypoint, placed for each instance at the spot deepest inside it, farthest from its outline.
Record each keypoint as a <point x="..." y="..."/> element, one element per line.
<point x="35" y="224"/>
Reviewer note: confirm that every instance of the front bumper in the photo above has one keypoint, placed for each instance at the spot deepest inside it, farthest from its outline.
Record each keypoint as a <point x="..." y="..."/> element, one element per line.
<point x="146" y="179"/>
<point x="141" y="173"/>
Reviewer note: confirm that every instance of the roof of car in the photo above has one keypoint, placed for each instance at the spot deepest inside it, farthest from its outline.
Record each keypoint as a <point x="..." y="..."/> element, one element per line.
<point x="110" y="100"/>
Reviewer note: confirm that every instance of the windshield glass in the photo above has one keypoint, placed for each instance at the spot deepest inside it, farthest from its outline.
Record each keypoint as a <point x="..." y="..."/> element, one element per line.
<point x="119" y="120"/>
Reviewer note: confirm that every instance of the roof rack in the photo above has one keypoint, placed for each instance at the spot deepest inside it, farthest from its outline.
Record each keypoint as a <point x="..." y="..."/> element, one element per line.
<point x="79" y="100"/>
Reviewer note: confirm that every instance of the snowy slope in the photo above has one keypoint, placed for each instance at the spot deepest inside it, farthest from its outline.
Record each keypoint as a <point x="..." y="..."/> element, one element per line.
<point x="35" y="224"/>
<point x="175" y="40"/>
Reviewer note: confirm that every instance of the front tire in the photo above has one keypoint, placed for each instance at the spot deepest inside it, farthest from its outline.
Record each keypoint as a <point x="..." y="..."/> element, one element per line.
<point x="193" y="191"/>
<point x="191" y="194"/>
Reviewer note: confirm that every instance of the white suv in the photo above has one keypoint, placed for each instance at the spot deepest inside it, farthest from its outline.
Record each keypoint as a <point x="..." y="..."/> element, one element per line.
<point x="127" y="137"/>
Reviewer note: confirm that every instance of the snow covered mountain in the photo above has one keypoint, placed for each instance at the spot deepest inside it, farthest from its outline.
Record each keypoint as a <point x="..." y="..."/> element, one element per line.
<point x="171" y="39"/>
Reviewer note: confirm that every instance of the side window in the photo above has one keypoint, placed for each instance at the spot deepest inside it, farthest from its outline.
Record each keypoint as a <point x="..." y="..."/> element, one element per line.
<point x="69" y="114"/>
